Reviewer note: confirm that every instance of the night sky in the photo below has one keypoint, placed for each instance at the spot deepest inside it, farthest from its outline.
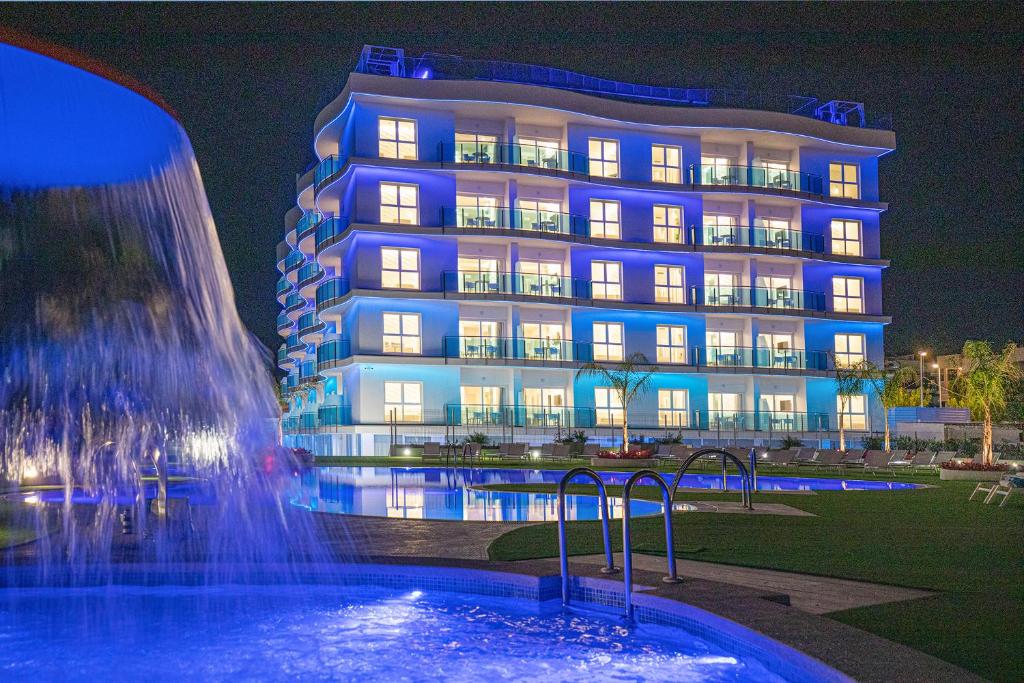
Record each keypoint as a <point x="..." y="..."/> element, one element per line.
<point x="248" y="81"/>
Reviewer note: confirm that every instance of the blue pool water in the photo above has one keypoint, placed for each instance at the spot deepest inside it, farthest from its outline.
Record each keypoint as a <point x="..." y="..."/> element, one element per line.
<point x="332" y="633"/>
<point x="450" y="493"/>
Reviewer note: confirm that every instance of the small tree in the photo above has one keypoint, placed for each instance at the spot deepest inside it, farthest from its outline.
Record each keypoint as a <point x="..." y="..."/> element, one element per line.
<point x="849" y="382"/>
<point x="984" y="386"/>
<point x="629" y="379"/>
<point x="894" y="388"/>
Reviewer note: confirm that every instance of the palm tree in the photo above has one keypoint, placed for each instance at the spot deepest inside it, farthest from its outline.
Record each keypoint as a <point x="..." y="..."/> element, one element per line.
<point x="893" y="389"/>
<point x="983" y="386"/>
<point x="849" y="382"/>
<point x="629" y="379"/>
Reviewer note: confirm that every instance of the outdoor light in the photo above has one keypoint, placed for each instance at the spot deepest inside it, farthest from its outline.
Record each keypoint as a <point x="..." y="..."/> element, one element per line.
<point x="535" y="454"/>
<point x="32" y="499"/>
<point x="30" y="471"/>
<point x="407" y="451"/>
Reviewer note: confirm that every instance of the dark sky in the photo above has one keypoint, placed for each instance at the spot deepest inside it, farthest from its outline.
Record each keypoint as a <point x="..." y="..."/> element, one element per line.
<point x="248" y="80"/>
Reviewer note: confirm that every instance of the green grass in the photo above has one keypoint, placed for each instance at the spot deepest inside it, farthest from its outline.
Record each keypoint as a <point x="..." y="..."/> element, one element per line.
<point x="971" y="554"/>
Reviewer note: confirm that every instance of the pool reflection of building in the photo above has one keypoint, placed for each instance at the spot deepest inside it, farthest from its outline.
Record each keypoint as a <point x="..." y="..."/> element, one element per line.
<point x="473" y="231"/>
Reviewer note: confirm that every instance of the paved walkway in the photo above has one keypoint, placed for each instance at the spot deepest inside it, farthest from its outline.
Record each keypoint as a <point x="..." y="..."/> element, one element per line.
<point x="813" y="594"/>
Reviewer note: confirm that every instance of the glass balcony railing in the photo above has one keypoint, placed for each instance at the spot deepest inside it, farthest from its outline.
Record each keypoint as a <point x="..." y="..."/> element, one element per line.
<point x="328" y="232"/>
<point x="292" y="343"/>
<point x="755" y="176"/>
<point x="310" y="273"/>
<point x="529" y="156"/>
<point x="294" y="302"/>
<point x="308" y="322"/>
<point x="307" y="223"/>
<point x="327" y="168"/>
<point x="515" y="348"/>
<point x="757" y="297"/>
<point x="756" y="236"/>
<point x="294" y="260"/>
<point x="760" y="357"/>
<point x="333" y="350"/>
<point x="520" y="284"/>
<point x="515" y="219"/>
<point x="334" y="416"/>
<point x="761" y="421"/>
<point x="283" y="322"/>
<point x="329" y="290"/>
<point x="282" y="356"/>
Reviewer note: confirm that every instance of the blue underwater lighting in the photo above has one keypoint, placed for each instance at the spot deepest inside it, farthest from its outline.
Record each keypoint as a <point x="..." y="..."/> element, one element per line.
<point x="114" y="134"/>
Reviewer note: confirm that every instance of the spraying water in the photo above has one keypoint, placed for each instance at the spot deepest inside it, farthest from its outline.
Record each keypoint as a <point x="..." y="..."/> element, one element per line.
<point x="132" y="398"/>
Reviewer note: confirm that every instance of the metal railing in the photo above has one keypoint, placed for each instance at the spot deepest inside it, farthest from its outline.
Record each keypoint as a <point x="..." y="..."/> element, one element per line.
<point x="757" y="297"/>
<point x="519" y="284"/>
<point x="516" y="348"/>
<point x="513" y="154"/>
<point x="563" y="548"/>
<point x="627" y="542"/>
<point x="757" y="177"/>
<point x="758" y="357"/>
<point x="503" y="218"/>
<point x="329" y="291"/>
<point x="756" y="236"/>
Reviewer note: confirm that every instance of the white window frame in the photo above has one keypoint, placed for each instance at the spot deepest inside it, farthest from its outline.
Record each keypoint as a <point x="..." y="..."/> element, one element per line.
<point x="840" y="183"/>
<point x="405" y="212"/>
<point x="855" y="414"/>
<point x="667" y="288"/>
<point x="606" y="280"/>
<point x="850" y="349"/>
<point x="842" y="243"/>
<point x="673" y="408"/>
<point x="405" y="335"/>
<point x="405" y="410"/>
<point x="608" y="407"/>
<point x="406" y="271"/>
<point x="668" y="223"/>
<point x="670" y="344"/>
<point x="603" y="156"/>
<point x="663" y="170"/>
<point x="842" y="299"/>
<point x="609" y="341"/>
<point x="606" y="219"/>
<point x="393" y="141"/>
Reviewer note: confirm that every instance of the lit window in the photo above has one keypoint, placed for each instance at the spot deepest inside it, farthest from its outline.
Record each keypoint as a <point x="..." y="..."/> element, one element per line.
<point x="721" y="230"/>
<point x="403" y="401"/>
<point x="776" y="174"/>
<point x="606" y="279"/>
<point x="775" y="291"/>
<point x="544" y="216"/>
<point x="540" y="152"/>
<point x="846" y="237"/>
<point x="399" y="268"/>
<point x="474" y="148"/>
<point x="604" y="219"/>
<point x="480" y="405"/>
<point x="671" y="344"/>
<point x="848" y="294"/>
<point x="666" y="164"/>
<point x="399" y="203"/>
<point x="401" y="333"/>
<point x="777" y="233"/>
<point x="668" y="224"/>
<point x="608" y="344"/>
<point x="843" y="181"/>
<point x="397" y="138"/>
<point x="723" y="349"/>
<point x="718" y="171"/>
<point x="540" y="278"/>
<point x="849" y="350"/>
<point x="720" y="289"/>
<point x="669" y="285"/>
<point x="604" y="158"/>
<point x="725" y="411"/>
<point x="854" y="413"/>
<point x="608" y="404"/>
<point x="673" y="407"/>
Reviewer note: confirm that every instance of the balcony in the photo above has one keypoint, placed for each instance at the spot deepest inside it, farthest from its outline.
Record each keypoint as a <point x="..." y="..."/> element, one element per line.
<point x="296" y="349"/>
<point x="309" y="327"/>
<point x="330" y="291"/>
<point x="759" y="358"/>
<point x="553" y="417"/>
<point x="329" y="231"/>
<point x="516" y="284"/>
<point x="756" y="177"/>
<point x="283" y="286"/>
<point x="334" y="416"/>
<point x="501" y="218"/>
<point x="547" y="159"/>
<point x="326" y="169"/>
<point x="283" y="360"/>
<point x="294" y="261"/>
<point x="309" y="274"/>
<point x="330" y="353"/>
<point x="516" y="348"/>
<point x="294" y="302"/>
<point x="757" y="297"/>
<point x="284" y="323"/>
<point x="307" y="224"/>
<point x="756" y="236"/>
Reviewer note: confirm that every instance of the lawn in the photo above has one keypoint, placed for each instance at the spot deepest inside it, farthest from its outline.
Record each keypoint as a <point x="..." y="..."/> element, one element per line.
<point x="972" y="554"/>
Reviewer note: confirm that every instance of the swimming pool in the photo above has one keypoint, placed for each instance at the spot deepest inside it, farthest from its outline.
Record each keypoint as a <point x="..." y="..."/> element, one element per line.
<point x="452" y="493"/>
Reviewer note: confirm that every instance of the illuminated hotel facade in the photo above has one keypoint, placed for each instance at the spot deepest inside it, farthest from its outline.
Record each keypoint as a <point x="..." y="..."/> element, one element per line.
<point x="475" y="231"/>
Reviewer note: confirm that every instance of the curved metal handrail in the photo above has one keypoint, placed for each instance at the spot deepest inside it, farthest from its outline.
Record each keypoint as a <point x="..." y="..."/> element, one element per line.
<point x="563" y="548"/>
<point x="627" y="545"/>
<point x="746" y="487"/>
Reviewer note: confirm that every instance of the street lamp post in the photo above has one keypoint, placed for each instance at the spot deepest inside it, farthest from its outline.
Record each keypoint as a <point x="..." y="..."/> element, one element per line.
<point x="920" y="388"/>
<point x="938" y="377"/>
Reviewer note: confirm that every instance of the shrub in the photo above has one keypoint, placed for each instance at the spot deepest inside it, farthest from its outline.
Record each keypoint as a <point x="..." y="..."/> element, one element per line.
<point x="873" y="443"/>
<point x="789" y="441"/>
<point x="631" y="454"/>
<point x="478" y="437"/>
<point x="972" y="466"/>
<point x="578" y="437"/>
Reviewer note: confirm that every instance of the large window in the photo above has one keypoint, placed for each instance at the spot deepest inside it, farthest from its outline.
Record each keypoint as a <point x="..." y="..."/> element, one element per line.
<point x="399" y="203"/>
<point x="545" y="341"/>
<point x="606" y="279"/>
<point x="720" y="229"/>
<point x="478" y="211"/>
<point x="401" y="333"/>
<point x="778" y="412"/>
<point x="849" y="350"/>
<point x="723" y="349"/>
<point x="673" y="407"/>
<point x="539" y="152"/>
<point x="604" y="158"/>
<point x="668" y="224"/>
<point x="536" y="214"/>
<point x="479" y="339"/>
<point x="473" y="148"/>
<point x="477" y="274"/>
<point x="848" y="294"/>
<point x="777" y="233"/>
<point x="541" y="278"/>
<point x="720" y="289"/>
<point x="669" y="285"/>
<point x="854" y="413"/>
<point x="545" y="406"/>
<point x="608" y="402"/>
<point x="403" y="401"/>
<point x="717" y="170"/>
<point x="778" y="291"/>
<point x="608" y="345"/>
<point x="604" y="219"/>
<point x="671" y="344"/>
<point x="396" y="138"/>
<point x="725" y="411"/>
<point x="843" y="180"/>
<point x="846" y="237"/>
<point x="666" y="164"/>
<point x="399" y="268"/>
<point x="480" y="405"/>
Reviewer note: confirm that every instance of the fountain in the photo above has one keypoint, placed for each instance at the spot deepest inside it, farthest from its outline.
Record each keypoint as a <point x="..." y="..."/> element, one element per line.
<point x="132" y="399"/>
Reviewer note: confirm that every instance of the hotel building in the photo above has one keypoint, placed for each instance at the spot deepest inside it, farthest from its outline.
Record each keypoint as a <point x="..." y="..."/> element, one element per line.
<point x="473" y="232"/>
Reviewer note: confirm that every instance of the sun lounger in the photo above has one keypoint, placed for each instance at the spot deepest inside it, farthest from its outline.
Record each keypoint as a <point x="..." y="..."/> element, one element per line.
<point x="561" y="451"/>
<point x="942" y="457"/>
<point x="784" y="457"/>
<point x="547" y="451"/>
<point x="804" y="455"/>
<point x="1005" y="487"/>
<point x="899" y="456"/>
<point x="828" y="458"/>
<point x="876" y="460"/>
<point x="432" y="451"/>
<point x="852" y="458"/>
<point x="591" y="450"/>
